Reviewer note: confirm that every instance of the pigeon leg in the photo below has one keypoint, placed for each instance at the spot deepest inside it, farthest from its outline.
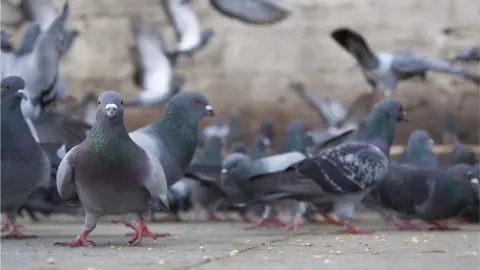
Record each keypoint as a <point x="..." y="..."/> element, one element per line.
<point x="212" y="216"/>
<point x="404" y="225"/>
<point x="7" y="226"/>
<point x="15" y="233"/>
<point x="345" y="211"/>
<point x="353" y="230"/>
<point x="81" y="240"/>
<point x="330" y="220"/>
<point x="441" y="226"/>
<point x="266" y="220"/>
<point x="247" y="216"/>
<point x="293" y="226"/>
<point x="137" y="235"/>
<point x="146" y="232"/>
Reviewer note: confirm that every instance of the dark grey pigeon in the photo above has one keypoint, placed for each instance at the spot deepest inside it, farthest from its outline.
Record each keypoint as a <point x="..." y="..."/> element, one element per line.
<point x="110" y="174"/>
<point x="258" y="12"/>
<point x="471" y="54"/>
<point x="173" y="139"/>
<point x="463" y="154"/>
<point x="253" y="178"/>
<point x="190" y="35"/>
<point x="43" y="13"/>
<point x="419" y="150"/>
<point x="387" y="68"/>
<point x="429" y="194"/>
<point x="153" y="68"/>
<point x="340" y="174"/>
<point x="45" y="87"/>
<point x="24" y="165"/>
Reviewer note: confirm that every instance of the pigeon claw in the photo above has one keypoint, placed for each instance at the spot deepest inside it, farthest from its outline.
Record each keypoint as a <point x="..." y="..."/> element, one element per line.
<point x="266" y="222"/>
<point x="330" y="220"/>
<point x="79" y="241"/>
<point x="354" y="230"/>
<point x="293" y="226"/>
<point x="405" y="225"/>
<point x="17" y="234"/>
<point x="145" y="231"/>
<point x="441" y="226"/>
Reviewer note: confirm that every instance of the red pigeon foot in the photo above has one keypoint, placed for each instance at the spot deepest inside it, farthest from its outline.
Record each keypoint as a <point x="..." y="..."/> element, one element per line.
<point x="17" y="234"/>
<point x="79" y="241"/>
<point x="265" y="222"/>
<point x="354" y="230"/>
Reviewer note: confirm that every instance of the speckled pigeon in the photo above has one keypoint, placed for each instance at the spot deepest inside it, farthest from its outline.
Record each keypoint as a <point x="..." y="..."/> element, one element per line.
<point x="24" y="165"/>
<point x="387" y="68"/>
<point x="429" y="194"/>
<point x="419" y="150"/>
<point x="110" y="174"/>
<point x="341" y="174"/>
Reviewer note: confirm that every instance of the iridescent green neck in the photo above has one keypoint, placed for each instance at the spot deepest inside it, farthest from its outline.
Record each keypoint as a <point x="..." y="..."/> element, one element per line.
<point x="380" y="130"/>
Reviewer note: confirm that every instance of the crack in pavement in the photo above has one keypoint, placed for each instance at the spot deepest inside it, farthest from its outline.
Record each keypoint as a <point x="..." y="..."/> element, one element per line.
<point x="244" y="250"/>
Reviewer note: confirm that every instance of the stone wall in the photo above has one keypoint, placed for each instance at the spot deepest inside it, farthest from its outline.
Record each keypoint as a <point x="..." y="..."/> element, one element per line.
<point x="250" y="67"/>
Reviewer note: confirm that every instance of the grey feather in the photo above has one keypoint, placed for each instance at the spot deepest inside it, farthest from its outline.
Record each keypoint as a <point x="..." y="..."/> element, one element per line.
<point x="258" y="12"/>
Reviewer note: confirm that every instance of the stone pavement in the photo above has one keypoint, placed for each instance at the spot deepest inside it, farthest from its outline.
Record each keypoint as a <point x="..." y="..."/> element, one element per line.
<point x="225" y="245"/>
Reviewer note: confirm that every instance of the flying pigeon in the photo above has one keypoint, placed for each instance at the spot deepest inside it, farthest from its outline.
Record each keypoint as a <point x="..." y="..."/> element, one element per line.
<point x="258" y="12"/>
<point x="429" y="194"/>
<point x="39" y="68"/>
<point x="419" y="150"/>
<point x="24" y="165"/>
<point x="340" y="174"/>
<point x="110" y="174"/>
<point x="153" y="67"/>
<point x="43" y="13"/>
<point x="471" y="54"/>
<point x="387" y="68"/>
<point x="190" y="35"/>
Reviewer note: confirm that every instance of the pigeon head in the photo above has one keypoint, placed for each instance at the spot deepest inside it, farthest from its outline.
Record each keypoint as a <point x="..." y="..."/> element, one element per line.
<point x="110" y="106"/>
<point x="421" y="139"/>
<point x="381" y="125"/>
<point x="238" y="147"/>
<point x="193" y="104"/>
<point x="12" y="90"/>
<point x="465" y="172"/>
<point x="235" y="167"/>
<point x="267" y="128"/>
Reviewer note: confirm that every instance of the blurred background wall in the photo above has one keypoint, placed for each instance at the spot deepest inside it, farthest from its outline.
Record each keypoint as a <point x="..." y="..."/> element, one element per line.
<point x="250" y="67"/>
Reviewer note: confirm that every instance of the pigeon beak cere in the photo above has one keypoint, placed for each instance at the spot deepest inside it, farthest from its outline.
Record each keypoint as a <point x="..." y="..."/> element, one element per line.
<point x="22" y="94"/>
<point x="224" y="171"/>
<point x="111" y="109"/>
<point x="210" y="110"/>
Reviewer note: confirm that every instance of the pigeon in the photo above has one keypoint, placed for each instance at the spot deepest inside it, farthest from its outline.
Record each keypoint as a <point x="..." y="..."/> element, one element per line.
<point x="419" y="150"/>
<point x="6" y="45"/>
<point x="260" y="147"/>
<point x="267" y="128"/>
<point x="250" y="177"/>
<point x="153" y="68"/>
<point x="257" y="12"/>
<point x="24" y="165"/>
<point x="234" y="128"/>
<point x="463" y="154"/>
<point x="238" y="147"/>
<point x="387" y="68"/>
<point x="190" y="35"/>
<point x="429" y="194"/>
<point x="110" y="174"/>
<point x="174" y="138"/>
<point x="11" y="14"/>
<point x="295" y="138"/>
<point x="216" y="129"/>
<point x="42" y="88"/>
<point x="43" y="13"/>
<point x="341" y="174"/>
<point x="471" y="54"/>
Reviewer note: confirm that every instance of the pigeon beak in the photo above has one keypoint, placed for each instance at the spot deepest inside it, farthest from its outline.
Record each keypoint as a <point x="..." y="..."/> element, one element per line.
<point x="224" y="171"/>
<point x="21" y="94"/>
<point x="403" y="117"/>
<point x="209" y="110"/>
<point x="474" y="181"/>
<point x="163" y="203"/>
<point x="111" y="109"/>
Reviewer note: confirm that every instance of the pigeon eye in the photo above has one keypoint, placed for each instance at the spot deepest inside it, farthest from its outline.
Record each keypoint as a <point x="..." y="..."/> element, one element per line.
<point x="121" y="102"/>
<point x="196" y="100"/>
<point x="99" y="102"/>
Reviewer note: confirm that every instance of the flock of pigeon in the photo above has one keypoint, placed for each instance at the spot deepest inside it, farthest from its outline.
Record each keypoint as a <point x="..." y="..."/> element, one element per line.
<point x="78" y="158"/>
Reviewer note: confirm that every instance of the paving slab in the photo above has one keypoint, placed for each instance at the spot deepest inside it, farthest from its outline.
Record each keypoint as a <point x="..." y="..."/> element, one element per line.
<point x="226" y="245"/>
